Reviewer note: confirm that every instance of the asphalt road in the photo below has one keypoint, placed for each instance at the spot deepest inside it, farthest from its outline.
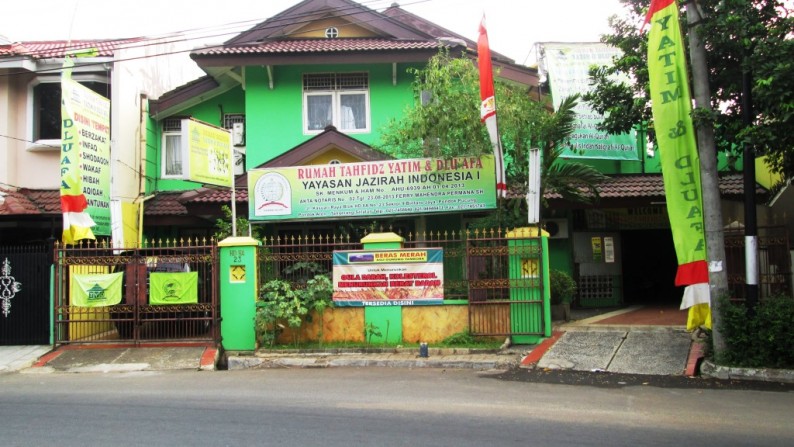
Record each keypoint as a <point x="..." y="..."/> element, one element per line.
<point x="376" y="406"/>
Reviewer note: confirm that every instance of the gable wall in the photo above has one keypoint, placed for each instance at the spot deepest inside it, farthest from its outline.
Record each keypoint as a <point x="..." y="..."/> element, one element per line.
<point x="346" y="29"/>
<point x="275" y="117"/>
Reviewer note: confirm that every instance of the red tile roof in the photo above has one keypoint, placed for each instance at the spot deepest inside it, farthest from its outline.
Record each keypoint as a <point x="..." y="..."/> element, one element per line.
<point x="59" y="48"/>
<point x="165" y="204"/>
<point x="30" y="202"/>
<point x="47" y="202"/>
<point x="321" y="46"/>
<point x="652" y="185"/>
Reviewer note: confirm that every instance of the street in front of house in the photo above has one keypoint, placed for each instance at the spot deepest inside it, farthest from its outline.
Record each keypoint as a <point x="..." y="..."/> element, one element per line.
<point x="375" y="406"/>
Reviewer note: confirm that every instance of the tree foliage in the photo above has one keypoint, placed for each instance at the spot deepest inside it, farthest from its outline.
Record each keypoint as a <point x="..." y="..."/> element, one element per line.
<point x="445" y="122"/>
<point x="739" y="35"/>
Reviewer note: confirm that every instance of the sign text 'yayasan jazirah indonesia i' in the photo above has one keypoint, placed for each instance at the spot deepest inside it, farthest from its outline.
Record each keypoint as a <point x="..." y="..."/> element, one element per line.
<point x="392" y="187"/>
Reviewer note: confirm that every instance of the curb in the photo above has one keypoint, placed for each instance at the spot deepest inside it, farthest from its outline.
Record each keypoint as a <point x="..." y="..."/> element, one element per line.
<point x="393" y="360"/>
<point x="709" y="369"/>
<point x="697" y="351"/>
<point x="209" y="359"/>
<point x="534" y="357"/>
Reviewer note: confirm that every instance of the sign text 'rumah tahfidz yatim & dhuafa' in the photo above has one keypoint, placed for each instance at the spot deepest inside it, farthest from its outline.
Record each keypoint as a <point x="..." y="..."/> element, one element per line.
<point x="85" y="160"/>
<point x="392" y="187"/>
<point x="388" y="277"/>
<point x="672" y="106"/>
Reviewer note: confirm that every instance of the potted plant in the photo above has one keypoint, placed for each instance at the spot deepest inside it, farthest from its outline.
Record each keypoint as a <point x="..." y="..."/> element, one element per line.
<point x="562" y="289"/>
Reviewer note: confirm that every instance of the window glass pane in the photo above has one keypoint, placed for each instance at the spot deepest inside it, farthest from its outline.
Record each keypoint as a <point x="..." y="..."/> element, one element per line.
<point x="353" y="111"/>
<point x="47" y="115"/>
<point x="47" y="107"/>
<point x="319" y="111"/>
<point x="173" y="155"/>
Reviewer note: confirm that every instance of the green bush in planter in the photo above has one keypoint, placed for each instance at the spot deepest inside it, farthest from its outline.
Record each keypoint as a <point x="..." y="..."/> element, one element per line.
<point x="562" y="287"/>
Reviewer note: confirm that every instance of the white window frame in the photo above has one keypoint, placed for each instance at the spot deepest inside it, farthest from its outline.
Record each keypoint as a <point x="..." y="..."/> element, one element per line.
<point x="163" y="151"/>
<point x="49" y="144"/>
<point x="336" y="108"/>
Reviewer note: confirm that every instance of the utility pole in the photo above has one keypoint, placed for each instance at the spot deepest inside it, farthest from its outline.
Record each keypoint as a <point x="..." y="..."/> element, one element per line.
<point x="750" y="217"/>
<point x="712" y="219"/>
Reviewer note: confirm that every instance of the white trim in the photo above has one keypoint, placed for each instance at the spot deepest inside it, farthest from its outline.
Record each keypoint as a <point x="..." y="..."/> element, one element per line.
<point x="163" y="148"/>
<point x="336" y="107"/>
<point x="52" y="144"/>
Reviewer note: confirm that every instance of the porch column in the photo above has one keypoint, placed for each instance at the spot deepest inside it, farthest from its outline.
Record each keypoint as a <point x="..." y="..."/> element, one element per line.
<point x="238" y="281"/>
<point x="388" y="319"/>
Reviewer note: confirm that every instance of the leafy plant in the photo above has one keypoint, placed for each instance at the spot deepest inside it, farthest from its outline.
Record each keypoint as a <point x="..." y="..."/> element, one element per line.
<point x="562" y="287"/>
<point x="284" y="305"/>
<point x="762" y="338"/>
<point x="224" y="226"/>
<point x="292" y="303"/>
<point x="467" y="339"/>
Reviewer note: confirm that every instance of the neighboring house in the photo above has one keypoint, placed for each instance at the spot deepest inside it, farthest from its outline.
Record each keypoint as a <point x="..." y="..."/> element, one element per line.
<point x="125" y="71"/>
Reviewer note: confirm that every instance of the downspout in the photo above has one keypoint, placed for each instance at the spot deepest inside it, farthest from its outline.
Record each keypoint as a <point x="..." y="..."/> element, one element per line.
<point x="140" y="218"/>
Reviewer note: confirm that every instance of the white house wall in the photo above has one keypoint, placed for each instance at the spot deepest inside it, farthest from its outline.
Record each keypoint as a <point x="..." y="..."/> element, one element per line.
<point x="141" y="70"/>
<point x="23" y="167"/>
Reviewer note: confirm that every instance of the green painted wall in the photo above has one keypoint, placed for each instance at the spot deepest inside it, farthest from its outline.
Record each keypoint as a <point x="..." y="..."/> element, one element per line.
<point x="211" y="112"/>
<point x="275" y="117"/>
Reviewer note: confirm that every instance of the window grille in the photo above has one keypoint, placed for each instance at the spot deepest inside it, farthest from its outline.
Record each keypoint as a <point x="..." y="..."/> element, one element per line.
<point x="172" y="125"/>
<point x="230" y="118"/>
<point x="335" y="81"/>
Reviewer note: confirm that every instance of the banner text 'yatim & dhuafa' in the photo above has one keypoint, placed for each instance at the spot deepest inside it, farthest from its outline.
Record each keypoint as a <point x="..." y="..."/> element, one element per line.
<point x="672" y="107"/>
<point x="85" y="160"/>
<point x="380" y="188"/>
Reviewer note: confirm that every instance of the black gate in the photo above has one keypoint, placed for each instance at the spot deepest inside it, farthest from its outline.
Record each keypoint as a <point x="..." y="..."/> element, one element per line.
<point x="25" y="295"/>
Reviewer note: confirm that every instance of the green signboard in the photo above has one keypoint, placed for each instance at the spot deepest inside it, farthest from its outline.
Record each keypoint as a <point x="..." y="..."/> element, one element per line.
<point x="568" y="65"/>
<point x="392" y="187"/>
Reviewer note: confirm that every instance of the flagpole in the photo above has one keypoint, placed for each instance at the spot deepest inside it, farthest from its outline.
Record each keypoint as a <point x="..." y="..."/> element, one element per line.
<point x="488" y="107"/>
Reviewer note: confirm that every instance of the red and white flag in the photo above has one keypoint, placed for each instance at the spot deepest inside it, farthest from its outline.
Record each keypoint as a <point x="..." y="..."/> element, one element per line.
<point x="488" y="107"/>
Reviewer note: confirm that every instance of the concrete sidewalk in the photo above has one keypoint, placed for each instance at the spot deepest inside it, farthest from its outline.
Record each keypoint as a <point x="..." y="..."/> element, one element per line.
<point x="630" y="352"/>
<point x="124" y="359"/>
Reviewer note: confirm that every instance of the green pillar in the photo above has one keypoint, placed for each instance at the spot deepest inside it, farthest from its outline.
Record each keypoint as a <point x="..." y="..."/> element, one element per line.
<point x="239" y="282"/>
<point x="387" y="319"/>
<point x="530" y="315"/>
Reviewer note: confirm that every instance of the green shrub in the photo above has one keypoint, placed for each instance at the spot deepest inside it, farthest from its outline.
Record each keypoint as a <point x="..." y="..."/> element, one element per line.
<point x="290" y="305"/>
<point x="562" y="287"/>
<point x="763" y="338"/>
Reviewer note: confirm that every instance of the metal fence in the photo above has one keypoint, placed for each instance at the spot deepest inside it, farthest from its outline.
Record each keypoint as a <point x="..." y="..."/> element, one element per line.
<point x="503" y="294"/>
<point x="134" y="320"/>
<point x="774" y="262"/>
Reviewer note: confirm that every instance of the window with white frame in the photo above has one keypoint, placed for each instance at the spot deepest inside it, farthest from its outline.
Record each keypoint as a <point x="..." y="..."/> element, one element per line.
<point x="45" y="104"/>
<point x="172" y="148"/>
<point x="338" y="99"/>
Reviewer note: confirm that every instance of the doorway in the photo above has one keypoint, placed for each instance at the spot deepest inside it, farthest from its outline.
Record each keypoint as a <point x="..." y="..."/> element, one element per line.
<point x="649" y="268"/>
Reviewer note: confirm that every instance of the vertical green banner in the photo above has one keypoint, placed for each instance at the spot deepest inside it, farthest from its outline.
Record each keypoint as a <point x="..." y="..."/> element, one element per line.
<point x="86" y="114"/>
<point x="675" y="135"/>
